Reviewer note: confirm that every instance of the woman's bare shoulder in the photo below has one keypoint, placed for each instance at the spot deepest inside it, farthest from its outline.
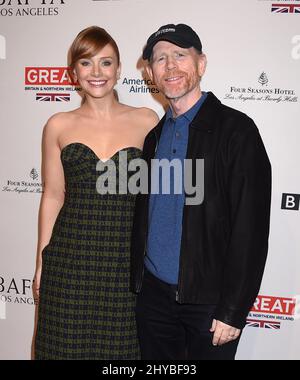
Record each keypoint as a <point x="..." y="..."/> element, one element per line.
<point x="143" y="116"/>
<point x="149" y="117"/>
<point x="61" y="118"/>
<point x="141" y="111"/>
<point x="148" y="113"/>
<point x="57" y="122"/>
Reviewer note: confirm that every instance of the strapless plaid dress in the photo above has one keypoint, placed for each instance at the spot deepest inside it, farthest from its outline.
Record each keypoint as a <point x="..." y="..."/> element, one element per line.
<point x="86" y="311"/>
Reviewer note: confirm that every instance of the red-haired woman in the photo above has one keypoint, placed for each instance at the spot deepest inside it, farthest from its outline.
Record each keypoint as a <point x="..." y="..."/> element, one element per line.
<point x="86" y="310"/>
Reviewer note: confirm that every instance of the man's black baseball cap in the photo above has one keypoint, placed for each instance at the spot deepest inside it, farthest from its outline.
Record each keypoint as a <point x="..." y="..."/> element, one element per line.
<point x="181" y="35"/>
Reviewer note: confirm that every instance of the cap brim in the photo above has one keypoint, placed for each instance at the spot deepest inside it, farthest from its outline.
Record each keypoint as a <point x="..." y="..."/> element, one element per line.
<point x="149" y="48"/>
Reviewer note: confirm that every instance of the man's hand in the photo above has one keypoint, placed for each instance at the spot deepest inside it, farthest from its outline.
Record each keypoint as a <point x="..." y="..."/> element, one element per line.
<point x="223" y="333"/>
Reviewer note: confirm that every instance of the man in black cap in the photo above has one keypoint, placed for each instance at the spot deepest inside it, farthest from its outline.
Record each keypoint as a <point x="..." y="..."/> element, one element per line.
<point x="197" y="268"/>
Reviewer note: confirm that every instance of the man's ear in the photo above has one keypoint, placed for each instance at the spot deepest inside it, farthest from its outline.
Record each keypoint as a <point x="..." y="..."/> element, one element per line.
<point x="149" y="71"/>
<point x="202" y="63"/>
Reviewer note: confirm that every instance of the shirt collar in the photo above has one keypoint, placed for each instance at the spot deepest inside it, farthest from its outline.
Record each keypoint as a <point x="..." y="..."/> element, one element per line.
<point x="192" y="112"/>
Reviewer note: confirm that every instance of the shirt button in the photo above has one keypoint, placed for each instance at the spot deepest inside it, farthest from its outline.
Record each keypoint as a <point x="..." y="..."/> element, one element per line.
<point x="174" y="151"/>
<point x="177" y="134"/>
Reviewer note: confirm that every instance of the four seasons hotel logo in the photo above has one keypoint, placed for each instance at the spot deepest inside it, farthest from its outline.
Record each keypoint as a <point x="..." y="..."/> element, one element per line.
<point x="263" y="91"/>
<point x="32" y="185"/>
<point x="263" y="79"/>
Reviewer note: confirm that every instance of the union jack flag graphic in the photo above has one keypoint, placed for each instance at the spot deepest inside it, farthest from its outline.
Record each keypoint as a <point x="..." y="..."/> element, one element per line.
<point x="286" y="8"/>
<point x="53" y="97"/>
<point x="263" y="324"/>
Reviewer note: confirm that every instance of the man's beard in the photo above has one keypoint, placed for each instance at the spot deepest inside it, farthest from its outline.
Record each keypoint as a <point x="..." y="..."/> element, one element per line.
<point x="188" y="85"/>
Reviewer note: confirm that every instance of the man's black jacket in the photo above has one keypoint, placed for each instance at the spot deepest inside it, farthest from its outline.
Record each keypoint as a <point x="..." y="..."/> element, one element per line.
<point x="225" y="239"/>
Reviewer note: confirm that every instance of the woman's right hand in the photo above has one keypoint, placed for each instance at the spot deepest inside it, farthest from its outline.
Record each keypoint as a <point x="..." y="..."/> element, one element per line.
<point x="36" y="283"/>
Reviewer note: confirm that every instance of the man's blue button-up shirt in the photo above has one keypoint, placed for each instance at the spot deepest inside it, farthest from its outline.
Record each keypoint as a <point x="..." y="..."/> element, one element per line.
<point x="166" y="210"/>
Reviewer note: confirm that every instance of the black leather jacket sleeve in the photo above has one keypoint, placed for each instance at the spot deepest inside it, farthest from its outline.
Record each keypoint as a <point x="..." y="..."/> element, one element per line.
<point x="249" y="197"/>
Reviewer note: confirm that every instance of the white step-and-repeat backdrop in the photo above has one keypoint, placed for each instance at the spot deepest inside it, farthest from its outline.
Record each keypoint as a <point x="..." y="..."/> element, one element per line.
<point x="253" y="50"/>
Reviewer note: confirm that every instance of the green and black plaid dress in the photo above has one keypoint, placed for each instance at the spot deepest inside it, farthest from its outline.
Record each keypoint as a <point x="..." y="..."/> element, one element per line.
<point x="86" y="310"/>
